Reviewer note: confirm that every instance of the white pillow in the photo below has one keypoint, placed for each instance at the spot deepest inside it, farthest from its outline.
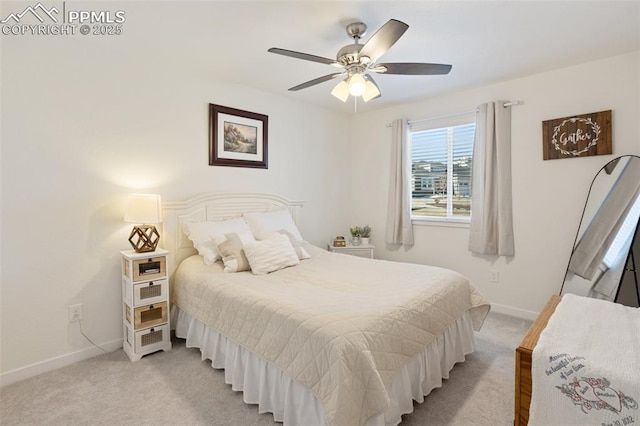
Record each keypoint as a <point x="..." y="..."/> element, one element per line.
<point x="233" y="255"/>
<point x="207" y="235"/>
<point x="300" y="251"/>
<point x="271" y="255"/>
<point x="265" y="222"/>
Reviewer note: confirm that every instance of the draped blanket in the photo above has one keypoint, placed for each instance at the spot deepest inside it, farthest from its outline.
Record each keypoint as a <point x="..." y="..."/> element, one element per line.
<point x="342" y="326"/>
<point x="586" y="365"/>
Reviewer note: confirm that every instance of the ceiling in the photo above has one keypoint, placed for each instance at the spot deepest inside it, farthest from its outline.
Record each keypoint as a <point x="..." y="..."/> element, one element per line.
<point x="485" y="41"/>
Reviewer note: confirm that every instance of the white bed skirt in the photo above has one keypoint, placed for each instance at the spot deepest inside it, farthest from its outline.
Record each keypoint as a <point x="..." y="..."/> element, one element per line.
<point x="266" y="385"/>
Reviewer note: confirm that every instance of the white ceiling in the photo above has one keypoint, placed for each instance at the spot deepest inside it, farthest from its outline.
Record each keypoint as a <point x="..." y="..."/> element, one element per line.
<point x="485" y="41"/>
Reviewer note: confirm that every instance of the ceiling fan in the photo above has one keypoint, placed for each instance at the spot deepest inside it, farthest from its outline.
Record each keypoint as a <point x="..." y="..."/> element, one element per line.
<point x="359" y="60"/>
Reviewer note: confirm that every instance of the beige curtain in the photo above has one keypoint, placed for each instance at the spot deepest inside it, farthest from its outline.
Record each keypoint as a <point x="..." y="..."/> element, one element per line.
<point x="491" y="207"/>
<point x="399" y="228"/>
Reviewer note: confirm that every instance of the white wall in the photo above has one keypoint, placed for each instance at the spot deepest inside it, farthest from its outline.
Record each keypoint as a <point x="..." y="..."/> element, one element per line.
<point x="548" y="196"/>
<point x="84" y="127"/>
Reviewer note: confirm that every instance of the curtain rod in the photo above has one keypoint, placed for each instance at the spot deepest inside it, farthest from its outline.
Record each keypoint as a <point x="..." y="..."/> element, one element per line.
<point x="507" y="104"/>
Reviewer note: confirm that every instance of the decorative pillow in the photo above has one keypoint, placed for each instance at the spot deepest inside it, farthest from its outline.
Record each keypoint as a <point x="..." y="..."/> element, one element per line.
<point x="264" y="222"/>
<point x="233" y="255"/>
<point x="300" y="251"/>
<point x="207" y="235"/>
<point x="271" y="255"/>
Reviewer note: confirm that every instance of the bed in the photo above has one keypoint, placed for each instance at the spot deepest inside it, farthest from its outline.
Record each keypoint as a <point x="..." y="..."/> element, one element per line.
<point x="524" y="357"/>
<point x="331" y="339"/>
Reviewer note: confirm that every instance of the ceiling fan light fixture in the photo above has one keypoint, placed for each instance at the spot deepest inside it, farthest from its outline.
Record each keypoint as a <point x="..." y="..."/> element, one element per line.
<point x="341" y="91"/>
<point x="371" y="91"/>
<point x="357" y="85"/>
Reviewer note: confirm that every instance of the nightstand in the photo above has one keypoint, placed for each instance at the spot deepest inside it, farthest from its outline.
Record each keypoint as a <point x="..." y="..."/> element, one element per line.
<point x="145" y="297"/>
<point x="363" y="250"/>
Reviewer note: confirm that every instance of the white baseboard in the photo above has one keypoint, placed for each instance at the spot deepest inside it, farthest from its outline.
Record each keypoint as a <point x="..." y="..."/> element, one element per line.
<point x="514" y="312"/>
<point x="22" y="373"/>
<point x="62" y="361"/>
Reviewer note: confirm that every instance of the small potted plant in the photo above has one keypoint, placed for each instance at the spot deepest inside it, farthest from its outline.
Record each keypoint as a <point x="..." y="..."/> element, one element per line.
<point x="365" y="234"/>
<point x="355" y="235"/>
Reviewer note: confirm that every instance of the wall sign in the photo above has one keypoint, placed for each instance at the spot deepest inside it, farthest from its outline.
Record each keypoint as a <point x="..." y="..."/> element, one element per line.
<point x="578" y="136"/>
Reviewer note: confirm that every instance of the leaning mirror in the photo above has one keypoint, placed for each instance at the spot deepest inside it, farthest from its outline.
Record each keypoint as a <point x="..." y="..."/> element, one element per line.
<point x="604" y="256"/>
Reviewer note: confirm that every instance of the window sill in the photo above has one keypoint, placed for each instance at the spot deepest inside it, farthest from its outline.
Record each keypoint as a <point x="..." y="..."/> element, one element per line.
<point x="444" y="222"/>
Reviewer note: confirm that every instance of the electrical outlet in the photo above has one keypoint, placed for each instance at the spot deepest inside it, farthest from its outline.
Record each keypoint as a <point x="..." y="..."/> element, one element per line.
<point x="75" y="312"/>
<point x="495" y="276"/>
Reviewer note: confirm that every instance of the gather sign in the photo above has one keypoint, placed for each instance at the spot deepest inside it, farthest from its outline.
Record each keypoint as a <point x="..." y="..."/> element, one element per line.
<point x="577" y="136"/>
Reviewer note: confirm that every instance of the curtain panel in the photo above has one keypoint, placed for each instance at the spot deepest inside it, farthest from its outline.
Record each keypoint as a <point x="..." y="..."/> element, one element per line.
<point x="399" y="228"/>
<point x="491" y="230"/>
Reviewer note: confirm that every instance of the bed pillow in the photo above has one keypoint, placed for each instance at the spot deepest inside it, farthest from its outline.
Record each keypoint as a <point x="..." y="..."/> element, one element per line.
<point x="271" y="254"/>
<point x="207" y="235"/>
<point x="232" y="253"/>
<point x="297" y="247"/>
<point x="264" y="222"/>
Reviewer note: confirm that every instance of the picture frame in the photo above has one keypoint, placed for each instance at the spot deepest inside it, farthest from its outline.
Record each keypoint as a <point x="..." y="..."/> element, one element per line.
<point x="237" y="138"/>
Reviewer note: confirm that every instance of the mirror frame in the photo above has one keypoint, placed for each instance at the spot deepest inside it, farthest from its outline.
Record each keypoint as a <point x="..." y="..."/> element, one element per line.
<point x="582" y="217"/>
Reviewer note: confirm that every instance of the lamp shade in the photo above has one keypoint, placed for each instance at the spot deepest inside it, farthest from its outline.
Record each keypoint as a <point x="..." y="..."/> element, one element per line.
<point x="341" y="91"/>
<point x="371" y="91"/>
<point x="143" y="208"/>
<point x="356" y="85"/>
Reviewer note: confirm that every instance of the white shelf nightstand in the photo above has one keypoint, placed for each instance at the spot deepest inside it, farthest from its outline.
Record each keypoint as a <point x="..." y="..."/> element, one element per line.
<point x="363" y="250"/>
<point x="145" y="297"/>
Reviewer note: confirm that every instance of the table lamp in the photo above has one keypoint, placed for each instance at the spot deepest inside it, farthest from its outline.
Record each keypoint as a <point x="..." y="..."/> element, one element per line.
<point x="143" y="209"/>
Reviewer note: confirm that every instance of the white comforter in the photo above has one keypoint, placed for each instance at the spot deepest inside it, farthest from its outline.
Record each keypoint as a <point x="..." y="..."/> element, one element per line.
<point x="586" y="365"/>
<point x="341" y="326"/>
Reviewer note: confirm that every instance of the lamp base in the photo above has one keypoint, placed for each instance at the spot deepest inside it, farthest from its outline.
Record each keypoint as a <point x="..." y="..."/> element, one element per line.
<point x="144" y="238"/>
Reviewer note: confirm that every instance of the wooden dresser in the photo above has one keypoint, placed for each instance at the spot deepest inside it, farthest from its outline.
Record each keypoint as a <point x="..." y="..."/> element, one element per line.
<point x="523" y="362"/>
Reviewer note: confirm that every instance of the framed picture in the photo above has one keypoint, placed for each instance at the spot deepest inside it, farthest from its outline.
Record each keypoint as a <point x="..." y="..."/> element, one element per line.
<point x="237" y="138"/>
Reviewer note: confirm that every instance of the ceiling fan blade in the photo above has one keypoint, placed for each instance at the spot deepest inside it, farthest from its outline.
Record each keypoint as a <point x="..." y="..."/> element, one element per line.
<point x="411" y="68"/>
<point x="315" y="81"/>
<point x="305" y="56"/>
<point x="383" y="39"/>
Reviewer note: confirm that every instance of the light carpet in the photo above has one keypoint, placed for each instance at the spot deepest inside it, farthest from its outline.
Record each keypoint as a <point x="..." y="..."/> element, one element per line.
<point x="176" y="388"/>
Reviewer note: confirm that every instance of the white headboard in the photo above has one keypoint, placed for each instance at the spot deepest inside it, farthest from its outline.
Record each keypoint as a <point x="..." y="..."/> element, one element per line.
<point x="210" y="207"/>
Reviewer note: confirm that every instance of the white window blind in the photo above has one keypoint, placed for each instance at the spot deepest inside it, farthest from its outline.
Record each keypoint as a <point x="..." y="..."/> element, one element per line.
<point x="441" y="154"/>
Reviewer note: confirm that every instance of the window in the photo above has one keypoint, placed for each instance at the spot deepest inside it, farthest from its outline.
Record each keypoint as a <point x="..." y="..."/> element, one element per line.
<point x="441" y="153"/>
